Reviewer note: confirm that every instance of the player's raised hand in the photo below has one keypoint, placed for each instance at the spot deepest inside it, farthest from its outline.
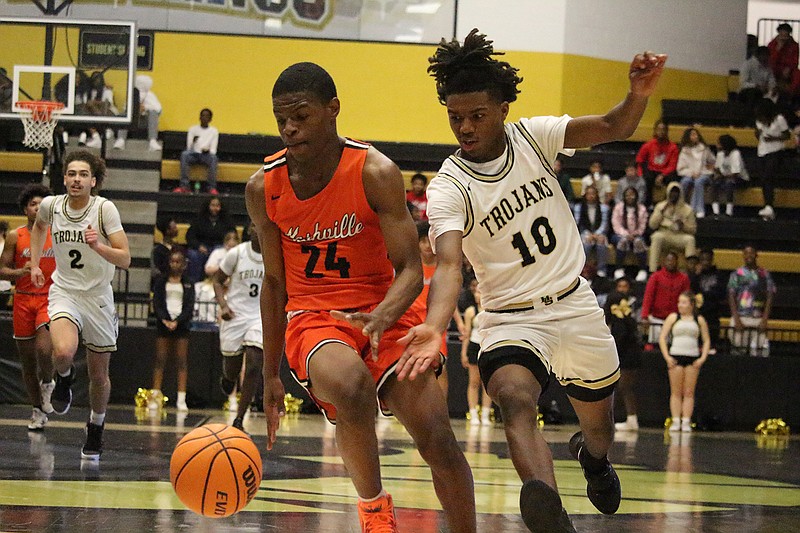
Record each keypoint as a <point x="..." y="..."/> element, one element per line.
<point x="422" y="344"/>
<point x="90" y="236"/>
<point x="274" y="408"/>
<point x="645" y="71"/>
<point x="372" y="326"/>
<point x="37" y="277"/>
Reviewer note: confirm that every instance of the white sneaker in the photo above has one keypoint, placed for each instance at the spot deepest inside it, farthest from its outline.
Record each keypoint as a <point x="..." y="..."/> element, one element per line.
<point x="154" y="146"/>
<point x="628" y="425"/>
<point x="109" y="134"/>
<point x="82" y="139"/>
<point x="47" y="391"/>
<point x="686" y="425"/>
<point x="95" y="141"/>
<point x="767" y="212"/>
<point x="618" y="273"/>
<point x="675" y="427"/>
<point x="715" y="208"/>
<point x="182" y="406"/>
<point x="701" y="214"/>
<point x="65" y="137"/>
<point x="641" y="276"/>
<point x="119" y="144"/>
<point x="486" y="421"/>
<point x="38" y="420"/>
<point x="729" y="210"/>
<point x="601" y="273"/>
<point x="233" y="403"/>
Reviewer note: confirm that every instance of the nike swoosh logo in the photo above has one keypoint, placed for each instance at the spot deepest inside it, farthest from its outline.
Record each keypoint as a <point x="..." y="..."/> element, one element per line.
<point x="102" y="306"/>
<point x="276" y="197"/>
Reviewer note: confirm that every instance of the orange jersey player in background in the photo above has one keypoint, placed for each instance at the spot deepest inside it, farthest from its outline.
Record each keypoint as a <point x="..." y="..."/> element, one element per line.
<point x="342" y="270"/>
<point x="30" y="306"/>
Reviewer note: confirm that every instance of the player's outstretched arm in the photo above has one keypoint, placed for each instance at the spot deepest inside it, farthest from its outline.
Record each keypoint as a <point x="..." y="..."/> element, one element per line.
<point x="273" y="303"/>
<point x="423" y="341"/>
<point x="38" y="236"/>
<point x="383" y="186"/>
<point x="620" y="123"/>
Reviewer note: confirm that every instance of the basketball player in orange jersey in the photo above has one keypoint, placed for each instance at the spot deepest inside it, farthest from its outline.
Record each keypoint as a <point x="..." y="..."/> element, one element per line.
<point x="341" y="268"/>
<point x="30" y="306"/>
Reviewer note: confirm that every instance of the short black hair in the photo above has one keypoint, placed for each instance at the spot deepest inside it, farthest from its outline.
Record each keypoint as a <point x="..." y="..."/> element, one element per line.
<point x="305" y="77"/>
<point x="727" y="143"/>
<point x="210" y="113"/>
<point x="30" y="192"/>
<point x="423" y="227"/>
<point x="470" y="68"/>
<point x="163" y="223"/>
<point x="96" y="164"/>
<point x="420" y="176"/>
<point x="784" y="26"/>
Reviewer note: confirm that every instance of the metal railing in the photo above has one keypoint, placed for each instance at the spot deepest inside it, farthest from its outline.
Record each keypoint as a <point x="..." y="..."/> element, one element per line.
<point x="767" y="29"/>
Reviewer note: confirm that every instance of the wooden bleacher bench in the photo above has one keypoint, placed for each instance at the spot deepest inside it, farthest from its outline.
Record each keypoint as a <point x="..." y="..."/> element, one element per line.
<point x="785" y="330"/>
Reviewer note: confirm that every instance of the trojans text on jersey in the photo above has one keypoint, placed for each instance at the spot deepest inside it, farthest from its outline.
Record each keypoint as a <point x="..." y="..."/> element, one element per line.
<point x="522" y="197"/>
<point x="67" y="235"/>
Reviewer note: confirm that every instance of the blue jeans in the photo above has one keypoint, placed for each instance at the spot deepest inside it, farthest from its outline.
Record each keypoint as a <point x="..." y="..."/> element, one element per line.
<point x="698" y="199"/>
<point x="189" y="158"/>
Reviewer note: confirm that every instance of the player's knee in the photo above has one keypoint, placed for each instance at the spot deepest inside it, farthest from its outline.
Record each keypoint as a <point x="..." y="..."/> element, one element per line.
<point x="437" y="444"/>
<point x="513" y="398"/>
<point x="352" y="392"/>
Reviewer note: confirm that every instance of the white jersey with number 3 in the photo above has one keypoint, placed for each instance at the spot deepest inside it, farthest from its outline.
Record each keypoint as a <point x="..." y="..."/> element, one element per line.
<point x="519" y="232"/>
<point x="78" y="267"/>
<point x="246" y="270"/>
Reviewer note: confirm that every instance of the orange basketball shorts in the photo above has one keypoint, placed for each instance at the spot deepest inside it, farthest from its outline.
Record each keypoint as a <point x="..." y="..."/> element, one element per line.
<point x="30" y="314"/>
<point x="309" y="331"/>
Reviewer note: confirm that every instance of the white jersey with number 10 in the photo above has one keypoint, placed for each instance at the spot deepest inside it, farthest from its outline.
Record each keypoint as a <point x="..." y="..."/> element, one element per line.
<point x="519" y="232"/>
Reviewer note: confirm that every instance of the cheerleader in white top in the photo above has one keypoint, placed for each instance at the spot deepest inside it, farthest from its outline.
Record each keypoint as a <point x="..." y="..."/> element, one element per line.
<point x="684" y="356"/>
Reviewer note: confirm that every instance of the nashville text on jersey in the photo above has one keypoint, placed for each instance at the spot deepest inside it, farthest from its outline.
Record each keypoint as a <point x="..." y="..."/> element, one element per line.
<point x="349" y="226"/>
<point x="26" y="253"/>
<point x="507" y="208"/>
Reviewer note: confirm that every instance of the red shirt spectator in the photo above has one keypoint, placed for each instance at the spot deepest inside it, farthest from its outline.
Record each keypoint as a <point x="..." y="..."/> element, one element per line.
<point x="663" y="288"/>
<point x="659" y="155"/>
<point x="417" y="196"/>
<point x="783" y="54"/>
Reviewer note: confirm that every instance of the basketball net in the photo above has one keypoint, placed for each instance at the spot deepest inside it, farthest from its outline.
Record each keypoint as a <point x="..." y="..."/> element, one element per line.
<point x="39" y="118"/>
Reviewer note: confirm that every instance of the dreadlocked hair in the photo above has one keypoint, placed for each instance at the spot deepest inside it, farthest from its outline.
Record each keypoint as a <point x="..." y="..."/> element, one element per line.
<point x="470" y="68"/>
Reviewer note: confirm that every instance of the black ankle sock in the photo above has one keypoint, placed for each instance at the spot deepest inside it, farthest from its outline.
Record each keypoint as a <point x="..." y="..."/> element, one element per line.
<point x="591" y="463"/>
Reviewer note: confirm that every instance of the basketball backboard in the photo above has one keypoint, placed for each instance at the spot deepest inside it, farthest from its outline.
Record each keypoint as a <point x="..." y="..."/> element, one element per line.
<point x="87" y="65"/>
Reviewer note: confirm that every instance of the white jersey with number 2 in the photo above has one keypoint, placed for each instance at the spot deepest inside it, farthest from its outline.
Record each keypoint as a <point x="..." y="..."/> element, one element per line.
<point x="518" y="230"/>
<point x="78" y="267"/>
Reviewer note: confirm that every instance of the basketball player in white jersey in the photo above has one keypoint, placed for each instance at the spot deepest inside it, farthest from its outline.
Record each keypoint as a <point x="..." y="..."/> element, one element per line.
<point x="88" y="242"/>
<point x="240" y="337"/>
<point x="498" y="200"/>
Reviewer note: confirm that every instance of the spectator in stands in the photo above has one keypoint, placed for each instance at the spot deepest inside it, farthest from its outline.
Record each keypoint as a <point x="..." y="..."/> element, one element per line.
<point x="414" y="211"/>
<point x="417" y="196"/>
<point x="564" y="181"/>
<point x="630" y="179"/>
<point x="625" y="330"/>
<point x="5" y="285"/>
<point x="756" y="80"/>
<point x="206" y="233"/>
<point x="231" y="239"/>
<point x="599" y="180"/>
<point x="592" y="219"/>
<point x="657" y="160"/>
<point x="661" y="295"/>
<point x="161" y="250"/>
<point x="710" y="290"/>
<point x="629" y="223"/>
<point x="601" y="285"/>
<point x="695" y="168"/>
<point x="729" y="172"/>
<point x="149" y="110"/>
<point x="772" y="131"/>
<point x="783" y="56"/>
<point x="201" y="149"/>
<point x="684" y="356"/>
<point x="750" y="294"/>
<point x="673" y="224"/>
<point x="173" y="303"/>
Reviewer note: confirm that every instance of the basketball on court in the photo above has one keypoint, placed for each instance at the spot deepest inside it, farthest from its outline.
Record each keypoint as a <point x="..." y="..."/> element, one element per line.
<point x="215" y="470"/>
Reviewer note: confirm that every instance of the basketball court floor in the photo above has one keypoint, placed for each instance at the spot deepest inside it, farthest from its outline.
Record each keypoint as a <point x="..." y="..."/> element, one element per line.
<point x="699" y="482"/>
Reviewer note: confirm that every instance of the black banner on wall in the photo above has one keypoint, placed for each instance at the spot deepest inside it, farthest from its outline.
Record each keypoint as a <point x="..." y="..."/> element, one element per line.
<point x="109" y="50"/>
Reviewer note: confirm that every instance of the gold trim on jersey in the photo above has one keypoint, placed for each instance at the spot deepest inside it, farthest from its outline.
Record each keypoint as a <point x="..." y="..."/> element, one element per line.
<point x="469" y="221"/>
<point x="80" y="217"/>
<point x="592" y="384"/>
<point x="100" y="219"/>
<point x="536" y="148"/>
<point x="100" y="349"/>
<point x="64" y="314"/>
<point x="488" y="178"/>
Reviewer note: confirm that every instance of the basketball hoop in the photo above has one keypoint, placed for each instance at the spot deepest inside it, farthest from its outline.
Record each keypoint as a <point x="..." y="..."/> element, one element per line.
<point x="39" y="117"/>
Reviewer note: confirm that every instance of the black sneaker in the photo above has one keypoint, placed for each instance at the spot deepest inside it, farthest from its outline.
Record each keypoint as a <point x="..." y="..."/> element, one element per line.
<point x="602" y="488"/>
<point x="226" y="385"/>
<point x="238" y="424"/>
<point x="542" y="510"/>
<point x="61" y="398"/>
<point x="94" y="442"/>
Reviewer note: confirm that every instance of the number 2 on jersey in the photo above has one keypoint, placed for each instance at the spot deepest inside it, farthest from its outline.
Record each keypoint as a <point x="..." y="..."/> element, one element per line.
<point x="331" y="261"/>
<point x="546" y="242"/>
<point x="76" y="259"/>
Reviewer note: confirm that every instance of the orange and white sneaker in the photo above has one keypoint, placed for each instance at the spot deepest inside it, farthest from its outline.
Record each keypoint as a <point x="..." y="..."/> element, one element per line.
<point x="377" y="516"/>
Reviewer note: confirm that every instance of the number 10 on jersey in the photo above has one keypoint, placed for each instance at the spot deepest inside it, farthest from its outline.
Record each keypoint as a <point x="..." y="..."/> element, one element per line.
<point x="543" y="237"/>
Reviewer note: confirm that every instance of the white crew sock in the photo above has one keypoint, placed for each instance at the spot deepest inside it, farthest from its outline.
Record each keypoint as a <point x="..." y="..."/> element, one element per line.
<point x="97" y="418"/>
